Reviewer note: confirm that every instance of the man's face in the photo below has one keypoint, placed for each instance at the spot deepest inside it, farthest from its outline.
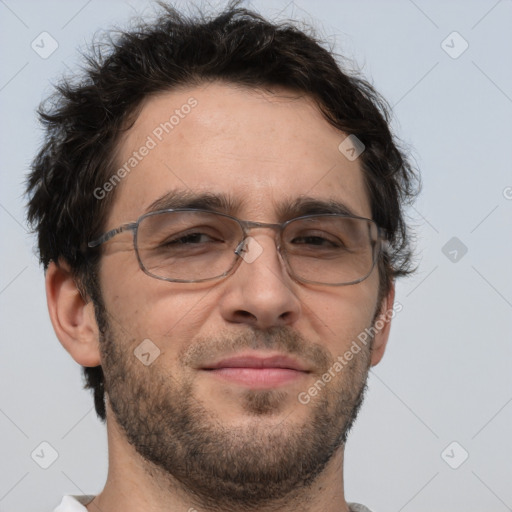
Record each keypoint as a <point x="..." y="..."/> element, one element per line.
<point x="234" y="434"/>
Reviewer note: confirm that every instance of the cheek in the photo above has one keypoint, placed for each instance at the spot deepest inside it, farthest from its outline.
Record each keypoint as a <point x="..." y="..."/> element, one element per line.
<point x="119" y="277"/>
<point x="338" y="317"/>
<point x="144" y="307"/>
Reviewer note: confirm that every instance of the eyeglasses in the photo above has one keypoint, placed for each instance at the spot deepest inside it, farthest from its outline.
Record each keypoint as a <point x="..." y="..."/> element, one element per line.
<point x="189" y="245"/>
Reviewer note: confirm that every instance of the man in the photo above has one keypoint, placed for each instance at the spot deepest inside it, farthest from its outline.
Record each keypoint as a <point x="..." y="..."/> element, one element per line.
<point x="219" y="214"/>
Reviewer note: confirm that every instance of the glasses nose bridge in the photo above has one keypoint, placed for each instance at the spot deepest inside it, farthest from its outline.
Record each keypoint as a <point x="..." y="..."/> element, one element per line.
<point x="249" y="225"/>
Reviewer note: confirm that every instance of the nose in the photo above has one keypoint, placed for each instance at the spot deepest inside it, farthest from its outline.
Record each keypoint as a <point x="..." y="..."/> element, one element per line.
<point x="260" y="292"/>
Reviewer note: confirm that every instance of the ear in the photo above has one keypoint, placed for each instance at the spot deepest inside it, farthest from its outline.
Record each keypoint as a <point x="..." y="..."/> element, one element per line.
<point x="72" y="318"/>
<point x="383" y="326"/>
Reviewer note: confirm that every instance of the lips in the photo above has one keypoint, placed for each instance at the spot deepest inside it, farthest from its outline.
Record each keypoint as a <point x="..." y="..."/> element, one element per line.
<point x="253" y="361"/>
<point x="258" y="371"/>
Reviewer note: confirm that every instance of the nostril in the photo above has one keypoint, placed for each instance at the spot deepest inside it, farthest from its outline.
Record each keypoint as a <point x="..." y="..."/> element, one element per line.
<point x="243" y="313"/>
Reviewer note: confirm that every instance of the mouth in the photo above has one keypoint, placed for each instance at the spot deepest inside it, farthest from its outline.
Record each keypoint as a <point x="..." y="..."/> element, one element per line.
<point x="258" y="371"/>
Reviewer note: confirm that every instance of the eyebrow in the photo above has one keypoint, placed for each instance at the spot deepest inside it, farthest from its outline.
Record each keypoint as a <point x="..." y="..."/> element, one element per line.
<point x="187" y="199"/>
<point x="224" y="203"/>
<point x="304" y="205"/>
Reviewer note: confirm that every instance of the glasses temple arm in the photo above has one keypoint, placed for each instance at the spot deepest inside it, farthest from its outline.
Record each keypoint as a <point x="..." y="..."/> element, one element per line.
<point x="111" y="234"/>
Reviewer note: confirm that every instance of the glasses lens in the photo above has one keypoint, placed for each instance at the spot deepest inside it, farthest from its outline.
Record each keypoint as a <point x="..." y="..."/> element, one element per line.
<point x="188" y="245"/>
<point x="192" y="246"/>
<point x="331" y="249"/>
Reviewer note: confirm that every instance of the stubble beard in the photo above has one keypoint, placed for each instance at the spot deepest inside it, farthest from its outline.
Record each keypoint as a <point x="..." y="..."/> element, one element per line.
<point x="264" y="462"/>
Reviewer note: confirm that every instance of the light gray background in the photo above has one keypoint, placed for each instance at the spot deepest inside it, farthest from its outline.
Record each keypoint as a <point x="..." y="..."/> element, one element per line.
<point x="446" y="375"/>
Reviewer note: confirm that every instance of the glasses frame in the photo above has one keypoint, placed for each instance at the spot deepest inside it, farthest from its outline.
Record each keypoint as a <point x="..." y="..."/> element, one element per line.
<point x="381" y="242"/>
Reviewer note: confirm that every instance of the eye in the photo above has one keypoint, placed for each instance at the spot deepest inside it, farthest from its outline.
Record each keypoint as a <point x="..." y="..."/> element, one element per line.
<point x="190" y="238"/>
<point x="318" y="240"/>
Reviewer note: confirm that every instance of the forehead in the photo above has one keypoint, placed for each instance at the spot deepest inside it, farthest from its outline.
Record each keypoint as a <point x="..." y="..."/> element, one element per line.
<point x="264" y="151"/>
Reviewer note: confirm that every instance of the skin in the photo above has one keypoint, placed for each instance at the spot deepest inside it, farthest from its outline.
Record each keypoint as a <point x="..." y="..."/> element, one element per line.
<point x="262" y="148"/>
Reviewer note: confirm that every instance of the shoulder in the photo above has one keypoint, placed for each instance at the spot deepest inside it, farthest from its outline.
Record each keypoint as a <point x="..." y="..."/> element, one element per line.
<point x="357" y="507"/>
<point x="74" y="503"/>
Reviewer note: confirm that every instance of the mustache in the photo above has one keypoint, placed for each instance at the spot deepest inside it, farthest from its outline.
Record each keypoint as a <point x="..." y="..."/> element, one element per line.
<point x="283" y="339"/>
